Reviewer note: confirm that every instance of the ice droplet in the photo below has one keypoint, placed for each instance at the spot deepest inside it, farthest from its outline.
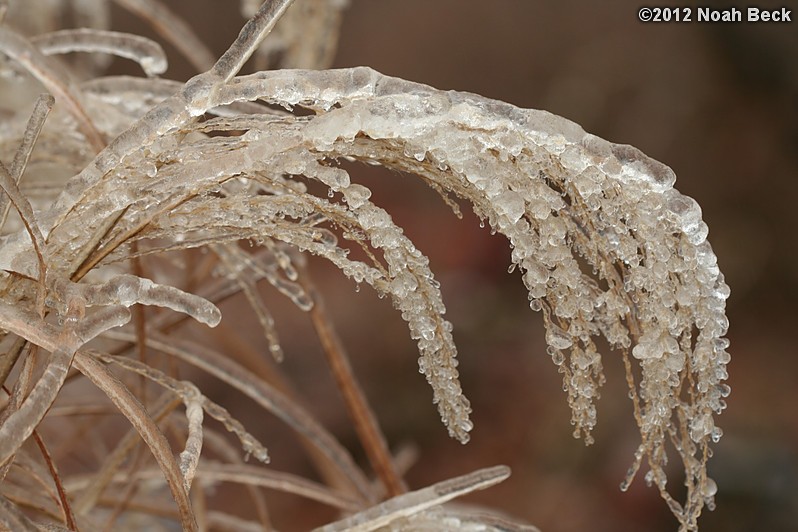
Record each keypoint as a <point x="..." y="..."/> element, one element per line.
<point x="150" y="169"/>
<point x="510" y="204"/>
<point x="710" y="488"/>
<point x="701" y="426"/>
<point x="356" y="195"/>
<point x="557" y="357"/>
<point x="687" y="213"/>
<point x="557" y="338"/>
<point x="654" y="172"/>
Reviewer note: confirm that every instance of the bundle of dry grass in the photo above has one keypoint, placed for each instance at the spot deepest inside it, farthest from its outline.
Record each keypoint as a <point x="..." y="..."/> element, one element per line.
<point x="110" y="180"/>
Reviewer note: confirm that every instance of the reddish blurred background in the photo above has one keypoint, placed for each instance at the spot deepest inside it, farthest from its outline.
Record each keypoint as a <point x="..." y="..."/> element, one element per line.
<point x="716" y="102"/>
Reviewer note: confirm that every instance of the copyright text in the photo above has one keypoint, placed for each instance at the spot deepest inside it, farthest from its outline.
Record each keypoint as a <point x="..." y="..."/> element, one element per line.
<point x="708" y="14"/>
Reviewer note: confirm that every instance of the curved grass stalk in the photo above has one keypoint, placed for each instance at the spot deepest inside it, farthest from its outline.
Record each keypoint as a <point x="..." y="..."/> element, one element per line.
<point x="606" y="245"/>
<point x="264" y="395"/>
<point x="189" y="394"/>
<point x="127" y="290"/>
<point x="88" y="498"/>
<point x="560" y="196"/>
<point x="247" y="475"/>
<point x="149" y="431"/>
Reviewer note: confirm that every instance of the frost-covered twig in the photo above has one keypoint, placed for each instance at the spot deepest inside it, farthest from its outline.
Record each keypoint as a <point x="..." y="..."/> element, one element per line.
<point x="127" y="290"/>
<point x="418" y="501"/>
<point x="145" y="52"/>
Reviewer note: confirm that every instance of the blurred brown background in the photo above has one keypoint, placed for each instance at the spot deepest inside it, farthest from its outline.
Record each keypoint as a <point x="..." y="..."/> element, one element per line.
<point x="719" y="104"/>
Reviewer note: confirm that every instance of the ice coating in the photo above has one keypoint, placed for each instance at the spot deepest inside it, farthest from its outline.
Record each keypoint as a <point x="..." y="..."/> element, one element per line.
<point x="127" y="290"/>
<point x="621" y="215"/>
<point x="146" y="52"/>
<point x="605" y="243"/>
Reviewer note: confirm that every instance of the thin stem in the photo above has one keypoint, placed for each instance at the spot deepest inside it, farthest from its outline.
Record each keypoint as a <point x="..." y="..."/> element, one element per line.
<point x="140" y="325"/>
<point x="365" y="422"/>
<point x="113" y="461"/>
<point x="251" y="35"/>
<point x="69" y="517"/>
<point x="172" y="28"/>
<point x="146" y="52"/>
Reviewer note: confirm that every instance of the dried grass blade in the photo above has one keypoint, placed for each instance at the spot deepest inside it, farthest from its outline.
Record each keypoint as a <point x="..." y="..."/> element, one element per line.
<point x="130" y="407"/>
<point x="277" y="480"/>
<point x="249" y="475"/>
<point x="69" y="516"/>
<point x="363" y="417"/>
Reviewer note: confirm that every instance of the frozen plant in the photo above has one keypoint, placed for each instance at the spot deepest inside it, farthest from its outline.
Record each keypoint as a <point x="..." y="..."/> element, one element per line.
<point x="109" y="180"/>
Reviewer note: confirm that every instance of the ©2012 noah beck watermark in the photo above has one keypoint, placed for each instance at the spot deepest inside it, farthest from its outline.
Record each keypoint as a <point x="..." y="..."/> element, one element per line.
<point x="708" y="14"/>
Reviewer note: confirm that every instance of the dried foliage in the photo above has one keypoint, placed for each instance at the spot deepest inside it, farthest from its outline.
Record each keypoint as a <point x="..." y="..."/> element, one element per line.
<point x="111" y="181"/>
